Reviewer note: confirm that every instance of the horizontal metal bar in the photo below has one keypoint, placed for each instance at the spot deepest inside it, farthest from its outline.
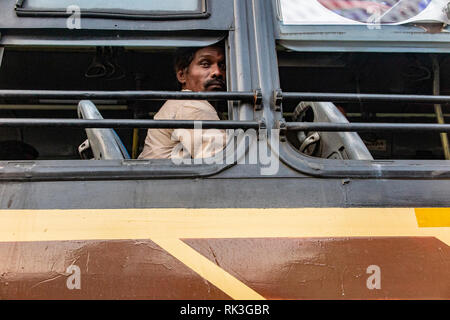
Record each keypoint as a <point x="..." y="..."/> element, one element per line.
<point x="208" y="124"/>
<point x="120" y="14"/>
<point x="360" y="127"/>
<point x="397" y="115"/>
<point x="57" y="107"/>
<point x="120" y="123"/>
<point x="126" y="95"/>
<point x="354" y="97"/>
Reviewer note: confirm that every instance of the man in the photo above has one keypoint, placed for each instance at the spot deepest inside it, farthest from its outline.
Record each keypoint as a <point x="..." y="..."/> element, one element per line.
<point x="197" y="69"/>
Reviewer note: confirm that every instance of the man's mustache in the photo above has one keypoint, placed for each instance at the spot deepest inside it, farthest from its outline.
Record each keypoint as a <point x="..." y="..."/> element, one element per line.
<point x="215" y="82"/>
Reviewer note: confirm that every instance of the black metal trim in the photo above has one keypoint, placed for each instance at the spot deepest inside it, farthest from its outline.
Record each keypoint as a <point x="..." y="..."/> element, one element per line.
<point x="364" y="169"/>
<point x="351" y="127"/>
<point x="358" y="98"/>
<point x="117" y="14"/>
<point x="257" y="101"/>
<point x="222" y="124"/>
<point x="277" y="100"/>
<point x="126" y="95"/>
<point x="85" y="170"/>
<point x="127" y="123"/>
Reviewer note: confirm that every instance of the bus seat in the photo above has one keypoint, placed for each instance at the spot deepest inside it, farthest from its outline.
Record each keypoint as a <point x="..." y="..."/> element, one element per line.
<point x="104" y="143"/>
<point x="333" y="145"/>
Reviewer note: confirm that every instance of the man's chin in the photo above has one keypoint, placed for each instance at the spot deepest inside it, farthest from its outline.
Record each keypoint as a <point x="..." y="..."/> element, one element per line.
<point x="215" y="88"/>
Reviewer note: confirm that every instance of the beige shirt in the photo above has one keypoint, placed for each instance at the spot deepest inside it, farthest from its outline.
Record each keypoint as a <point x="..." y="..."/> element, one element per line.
<point x="184" y="143"/>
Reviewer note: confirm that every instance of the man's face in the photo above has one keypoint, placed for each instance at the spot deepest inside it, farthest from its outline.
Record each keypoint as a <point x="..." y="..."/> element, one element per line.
<point x="206" y="71"/>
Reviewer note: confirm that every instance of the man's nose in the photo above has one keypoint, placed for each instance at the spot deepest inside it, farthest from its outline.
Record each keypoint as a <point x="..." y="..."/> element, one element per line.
<point x="217" y="72"/>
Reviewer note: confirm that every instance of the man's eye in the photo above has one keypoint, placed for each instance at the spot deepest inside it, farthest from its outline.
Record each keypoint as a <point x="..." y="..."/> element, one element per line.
<point x="204" y="64"/>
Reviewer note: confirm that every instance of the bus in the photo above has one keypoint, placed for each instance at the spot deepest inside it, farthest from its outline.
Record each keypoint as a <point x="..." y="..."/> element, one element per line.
<point x="334" y="184"/>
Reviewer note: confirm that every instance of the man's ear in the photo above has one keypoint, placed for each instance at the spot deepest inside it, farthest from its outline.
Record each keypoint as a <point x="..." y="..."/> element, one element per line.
<point x="181" y="76"/>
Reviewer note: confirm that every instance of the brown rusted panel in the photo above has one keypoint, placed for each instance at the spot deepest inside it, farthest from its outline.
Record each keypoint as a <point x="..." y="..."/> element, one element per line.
<point x="289" y="268"/>
<point x="109" y="270"/>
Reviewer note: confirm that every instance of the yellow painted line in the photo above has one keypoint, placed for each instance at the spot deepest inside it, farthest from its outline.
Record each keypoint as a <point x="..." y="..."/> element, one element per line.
<point x="207" y="269"/>
<point x="433" y="217"/>
<point x="55" y="225"/>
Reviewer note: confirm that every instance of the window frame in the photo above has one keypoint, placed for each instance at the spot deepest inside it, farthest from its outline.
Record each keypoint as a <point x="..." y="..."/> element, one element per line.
<point x="390" y="39"/>
<point x="351" y="21"/>
<point x="377" y="168"/>
<point x="160" y="34"/>
<point x="129" y="169"/>
<point x="413" y="37"/>
<point x="203" y="13"/>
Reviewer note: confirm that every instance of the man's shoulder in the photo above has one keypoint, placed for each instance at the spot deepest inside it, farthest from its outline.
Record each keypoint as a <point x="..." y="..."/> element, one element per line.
<point x="168" y="110"/>
<point x="178" y="109"/>
<point x="201" y="104"/>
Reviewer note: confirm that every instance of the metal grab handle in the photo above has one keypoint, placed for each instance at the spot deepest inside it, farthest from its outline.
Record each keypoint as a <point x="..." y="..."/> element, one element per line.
<point x="96" y="69"/>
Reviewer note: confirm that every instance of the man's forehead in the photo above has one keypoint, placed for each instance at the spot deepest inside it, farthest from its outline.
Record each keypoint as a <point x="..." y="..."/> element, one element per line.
<point x="209" y="52"/>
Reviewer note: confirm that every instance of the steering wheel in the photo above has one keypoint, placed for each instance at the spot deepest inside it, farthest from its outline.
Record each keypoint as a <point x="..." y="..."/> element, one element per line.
<point x="309" y="141"/>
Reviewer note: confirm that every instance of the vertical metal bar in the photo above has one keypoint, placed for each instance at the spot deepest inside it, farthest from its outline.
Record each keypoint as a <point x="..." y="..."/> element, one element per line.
<point x="241" y="77"/>
<point x="438" y="107"/>
<point x="230" y="60"/>
<point x="135" y="144"/>
<point x="2" y="50"/>
<point x="266" y="56"/>
<point x="134" y="149"/>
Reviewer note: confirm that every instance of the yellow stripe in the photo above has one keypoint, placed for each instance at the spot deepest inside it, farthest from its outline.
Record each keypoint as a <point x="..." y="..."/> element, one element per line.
<point x="207" y="269"/>
<point x="53" y="225"/>
<point x="433" y="217"/>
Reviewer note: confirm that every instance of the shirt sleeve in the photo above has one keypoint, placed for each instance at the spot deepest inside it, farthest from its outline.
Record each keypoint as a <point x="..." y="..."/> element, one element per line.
<point x="199" y="143"/>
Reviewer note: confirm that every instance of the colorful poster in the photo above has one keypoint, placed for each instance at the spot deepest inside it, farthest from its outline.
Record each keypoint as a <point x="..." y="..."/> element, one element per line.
<point x="366" y="12"/>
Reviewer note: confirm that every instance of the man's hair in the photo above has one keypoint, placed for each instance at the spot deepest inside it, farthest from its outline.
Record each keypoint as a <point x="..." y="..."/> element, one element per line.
<point x="184" y="56"/>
